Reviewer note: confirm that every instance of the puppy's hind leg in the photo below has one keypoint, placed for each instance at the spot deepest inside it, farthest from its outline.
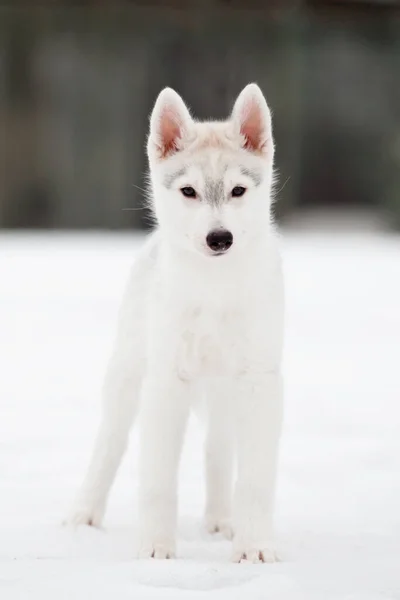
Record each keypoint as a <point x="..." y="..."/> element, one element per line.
<point x="120" y="404"/>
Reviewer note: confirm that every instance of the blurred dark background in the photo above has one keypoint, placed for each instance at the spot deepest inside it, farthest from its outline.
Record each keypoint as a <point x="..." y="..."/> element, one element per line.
<point x="77" y="82"/>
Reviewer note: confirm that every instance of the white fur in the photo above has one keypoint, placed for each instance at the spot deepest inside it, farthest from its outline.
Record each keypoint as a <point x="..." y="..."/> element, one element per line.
<point x="201" y="331"/>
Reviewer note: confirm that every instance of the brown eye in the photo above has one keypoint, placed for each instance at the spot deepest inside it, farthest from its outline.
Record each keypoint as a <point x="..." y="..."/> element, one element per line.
<point x="238" y="191"/>
<point x="189" y="192"/>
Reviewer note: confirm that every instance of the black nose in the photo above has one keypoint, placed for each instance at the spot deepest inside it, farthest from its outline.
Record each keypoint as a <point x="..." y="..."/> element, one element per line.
<point x="219" y="240"/>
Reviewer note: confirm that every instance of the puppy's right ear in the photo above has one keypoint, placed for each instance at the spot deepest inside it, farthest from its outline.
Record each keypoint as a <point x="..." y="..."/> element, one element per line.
<point x="170" y="123"/>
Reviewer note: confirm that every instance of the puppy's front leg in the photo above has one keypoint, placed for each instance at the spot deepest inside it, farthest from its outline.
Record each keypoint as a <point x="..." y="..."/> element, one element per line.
<point x="165" y="402"/>
<point x="258" y="429"/>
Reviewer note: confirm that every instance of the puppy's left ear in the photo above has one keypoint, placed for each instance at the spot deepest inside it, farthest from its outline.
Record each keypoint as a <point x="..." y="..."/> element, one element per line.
<point x="252" y="120"/>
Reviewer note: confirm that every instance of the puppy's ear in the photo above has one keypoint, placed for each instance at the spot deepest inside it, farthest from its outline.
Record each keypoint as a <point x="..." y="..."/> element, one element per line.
<point x="252" y="120"/>
<point x="170" y="124"/>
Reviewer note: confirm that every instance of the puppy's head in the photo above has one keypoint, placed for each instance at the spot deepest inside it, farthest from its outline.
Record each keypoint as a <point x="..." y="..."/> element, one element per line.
<point x="211" y="181"/>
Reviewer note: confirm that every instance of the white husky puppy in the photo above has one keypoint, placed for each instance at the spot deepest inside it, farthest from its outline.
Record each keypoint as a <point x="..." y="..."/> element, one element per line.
<point x="201" y="323"/>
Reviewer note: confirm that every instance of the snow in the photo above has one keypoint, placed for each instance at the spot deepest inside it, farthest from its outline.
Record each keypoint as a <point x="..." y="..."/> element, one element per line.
<point x="338" y="516"/>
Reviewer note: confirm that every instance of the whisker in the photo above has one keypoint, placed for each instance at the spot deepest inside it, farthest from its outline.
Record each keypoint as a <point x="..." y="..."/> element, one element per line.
<point x="279" y="191"/>
<point x="136" y="208"/>
<point x="139" y="188"/>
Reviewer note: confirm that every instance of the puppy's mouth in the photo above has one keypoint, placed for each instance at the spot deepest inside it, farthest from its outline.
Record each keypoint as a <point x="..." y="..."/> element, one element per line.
<point x="211" y="254"/>
<point x="208" y="253"/>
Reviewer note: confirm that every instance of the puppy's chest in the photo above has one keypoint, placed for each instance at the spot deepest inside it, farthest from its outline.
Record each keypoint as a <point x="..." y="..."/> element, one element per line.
<point x="212" y="343"/>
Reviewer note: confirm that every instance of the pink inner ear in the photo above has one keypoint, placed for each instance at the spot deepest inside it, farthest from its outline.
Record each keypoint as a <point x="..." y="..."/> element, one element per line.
<point x="170" y="133"/>
<point x="252" y="127"/>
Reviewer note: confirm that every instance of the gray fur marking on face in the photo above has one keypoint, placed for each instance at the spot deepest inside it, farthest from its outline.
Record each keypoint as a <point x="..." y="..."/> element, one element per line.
<point x="169" y="179"/>
<point x="214" y="191"/>
<point x="253" y="174"/>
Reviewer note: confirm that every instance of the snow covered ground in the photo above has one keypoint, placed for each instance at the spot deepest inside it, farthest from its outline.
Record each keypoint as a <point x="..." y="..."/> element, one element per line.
<point x="338" y="508"/>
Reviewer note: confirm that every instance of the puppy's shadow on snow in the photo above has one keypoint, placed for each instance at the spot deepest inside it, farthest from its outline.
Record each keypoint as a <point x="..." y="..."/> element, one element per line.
<point x="191" y="574"/>
<point x="203" y="562"/>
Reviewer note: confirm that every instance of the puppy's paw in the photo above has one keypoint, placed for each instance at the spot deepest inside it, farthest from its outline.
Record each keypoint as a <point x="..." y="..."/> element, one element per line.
<point x="223" y="525"/>
<point x="160" y="550"/>
<point x="85" y="513"/>
<point x="255" y="553"/>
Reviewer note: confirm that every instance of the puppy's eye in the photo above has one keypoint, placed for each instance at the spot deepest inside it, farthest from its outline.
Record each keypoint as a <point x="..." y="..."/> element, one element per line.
<point x="189" y="192"/>
<point x="238" y="191"/>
